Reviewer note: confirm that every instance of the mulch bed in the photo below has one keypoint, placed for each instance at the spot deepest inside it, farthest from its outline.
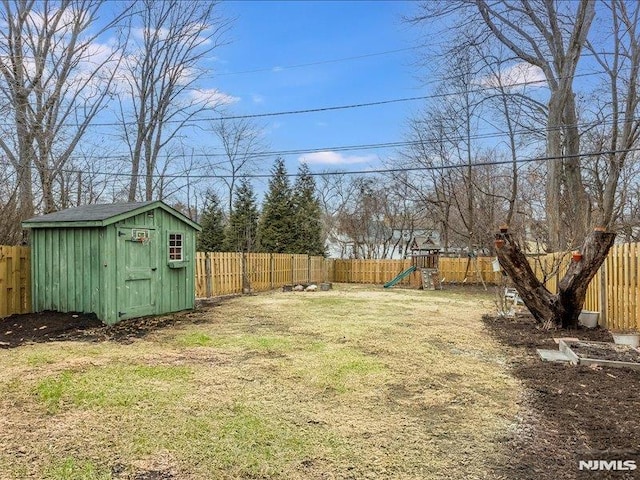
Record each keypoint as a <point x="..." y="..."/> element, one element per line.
<point x="18" y="330"/>
<point x="608" y="351"/>
<point x="568" y="413"/>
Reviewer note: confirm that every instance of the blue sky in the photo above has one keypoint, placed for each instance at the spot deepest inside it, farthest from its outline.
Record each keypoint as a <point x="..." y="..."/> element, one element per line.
<point x="274" y="35"/>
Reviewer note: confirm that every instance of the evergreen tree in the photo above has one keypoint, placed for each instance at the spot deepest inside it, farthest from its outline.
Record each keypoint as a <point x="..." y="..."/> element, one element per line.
<point x="307" y="217"/>
<point x="240" y="235"/>
<point x="211" y="238"/>
<point x="275" y="230"/>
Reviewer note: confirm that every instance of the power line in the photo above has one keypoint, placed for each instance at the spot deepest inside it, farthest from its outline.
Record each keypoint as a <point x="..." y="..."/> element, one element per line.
<point x="365" y="146"/>
<point x="430" y="168"/>
<point x="363" y="172"/>
<point x="278" y="68"/>
<point x="331" y="108"/>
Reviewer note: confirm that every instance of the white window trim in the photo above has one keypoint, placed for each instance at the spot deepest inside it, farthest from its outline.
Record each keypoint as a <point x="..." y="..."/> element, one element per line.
<point x="181" y="246"/>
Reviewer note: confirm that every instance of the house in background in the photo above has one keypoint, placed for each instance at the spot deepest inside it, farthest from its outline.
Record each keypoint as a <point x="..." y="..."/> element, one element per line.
<point x="119" y="261"/>
<point x="382" y="243"/>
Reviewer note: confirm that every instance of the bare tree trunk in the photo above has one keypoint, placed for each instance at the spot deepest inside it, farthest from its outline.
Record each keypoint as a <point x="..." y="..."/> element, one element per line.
<point x="54" y="85"/>
<point x="561" y="309"/>
<point x="163" y="69"/>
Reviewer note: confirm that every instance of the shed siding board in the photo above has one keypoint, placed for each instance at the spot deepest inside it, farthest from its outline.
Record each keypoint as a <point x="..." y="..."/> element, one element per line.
<point x="54" y="265"/>
<point x="48" y="272"/>
<point x="109" y="264"/>
<point x="79" y="280"/>
<point x="99" y="273"/>
<point x="141" y="220"/>
<point x="63" y="263"/>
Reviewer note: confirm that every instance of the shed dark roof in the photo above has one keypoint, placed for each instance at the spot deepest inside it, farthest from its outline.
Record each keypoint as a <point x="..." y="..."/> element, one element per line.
<point x="100" y="215"/>
<point x="88" y="213"/>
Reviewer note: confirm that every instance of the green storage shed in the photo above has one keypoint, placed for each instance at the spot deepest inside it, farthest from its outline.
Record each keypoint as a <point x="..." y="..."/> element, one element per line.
<point x="119" y="261"/>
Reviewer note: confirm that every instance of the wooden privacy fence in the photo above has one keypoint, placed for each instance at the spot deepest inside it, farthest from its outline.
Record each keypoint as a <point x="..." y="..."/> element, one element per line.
<point x="614" y="291"/>
<point x="381" y="271"/>
<point x="621" y="292"/>
<point x="224" y="273"/>
<point x="15" y="280"/>
<point x="454" y="270"/>
<point x="369" y="271"/>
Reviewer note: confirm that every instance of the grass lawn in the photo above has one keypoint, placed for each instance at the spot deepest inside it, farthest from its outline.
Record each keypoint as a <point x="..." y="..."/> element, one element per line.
<point x="358" y="382"/>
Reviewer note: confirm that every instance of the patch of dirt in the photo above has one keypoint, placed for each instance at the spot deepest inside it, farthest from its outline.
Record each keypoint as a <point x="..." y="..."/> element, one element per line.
<point x="154" y="475"/>
<point x="568" y="413"/>
<point x="18" y="330"/>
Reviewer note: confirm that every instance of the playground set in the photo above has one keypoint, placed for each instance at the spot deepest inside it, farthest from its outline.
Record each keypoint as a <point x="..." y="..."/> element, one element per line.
<point x="427" y="264"/>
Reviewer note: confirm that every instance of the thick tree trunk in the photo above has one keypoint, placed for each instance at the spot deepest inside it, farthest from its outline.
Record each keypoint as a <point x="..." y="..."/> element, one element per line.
<point x="561" y="309"/>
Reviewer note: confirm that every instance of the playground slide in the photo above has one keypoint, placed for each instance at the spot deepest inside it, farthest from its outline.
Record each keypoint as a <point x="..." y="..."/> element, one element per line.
<point x="404" y="274"/>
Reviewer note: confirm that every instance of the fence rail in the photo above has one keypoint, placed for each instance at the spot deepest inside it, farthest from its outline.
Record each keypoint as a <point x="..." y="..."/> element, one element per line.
<point x="614" y="291"/>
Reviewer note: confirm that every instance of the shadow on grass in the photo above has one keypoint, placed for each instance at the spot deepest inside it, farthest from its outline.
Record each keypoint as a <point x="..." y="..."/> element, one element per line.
<point x="48" y="326"/>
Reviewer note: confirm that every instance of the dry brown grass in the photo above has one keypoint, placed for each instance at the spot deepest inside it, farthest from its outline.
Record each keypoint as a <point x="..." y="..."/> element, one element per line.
<point x="358" y="382"/>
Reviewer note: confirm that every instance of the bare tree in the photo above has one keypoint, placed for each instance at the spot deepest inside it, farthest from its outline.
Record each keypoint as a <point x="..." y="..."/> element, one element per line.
<point x="169" y="40"/>
<point x="551" y="36"/>
<point x="10" y="231"/>
<point x="434" y="186"/>
<point x="514" y="109"/>
<point x="335" y="192"/>
<point x="241" y="140"/>
<point x="55" y="77"/>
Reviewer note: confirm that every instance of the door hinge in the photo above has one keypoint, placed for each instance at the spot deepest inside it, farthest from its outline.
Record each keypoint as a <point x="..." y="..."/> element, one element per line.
<point x="120" y="314"/>
<point x="121" y="234"/>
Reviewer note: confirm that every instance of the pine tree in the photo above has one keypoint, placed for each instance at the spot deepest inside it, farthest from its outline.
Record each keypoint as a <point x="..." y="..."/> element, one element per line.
<point x="240" y="235"/>
<point x="307" y="217"/>
<point x="275" y="230"/>
<point x="211" y="238"/>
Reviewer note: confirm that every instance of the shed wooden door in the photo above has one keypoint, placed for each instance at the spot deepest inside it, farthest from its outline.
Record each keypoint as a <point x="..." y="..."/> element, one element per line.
<point x="136" y="272"/>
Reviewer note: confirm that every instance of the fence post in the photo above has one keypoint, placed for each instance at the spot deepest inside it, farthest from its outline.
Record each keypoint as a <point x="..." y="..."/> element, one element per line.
<point x="603" y="294"/>
<point x="271" y="268"/>
<point x="208" y="275"/>
<point x="292" y="270"/>
<point x="243" y="273"/>
<point x="308" y="268"/>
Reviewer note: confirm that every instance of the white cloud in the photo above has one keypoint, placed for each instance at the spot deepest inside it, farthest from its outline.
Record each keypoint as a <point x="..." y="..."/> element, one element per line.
<point x="334" y="158"/>
<point x="213" y="97"/>
<point x="520" y="74"/>
<point x="257" y="98"/>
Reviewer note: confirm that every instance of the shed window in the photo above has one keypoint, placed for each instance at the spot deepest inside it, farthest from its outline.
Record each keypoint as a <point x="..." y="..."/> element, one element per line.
<point x="176" y="247"/>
